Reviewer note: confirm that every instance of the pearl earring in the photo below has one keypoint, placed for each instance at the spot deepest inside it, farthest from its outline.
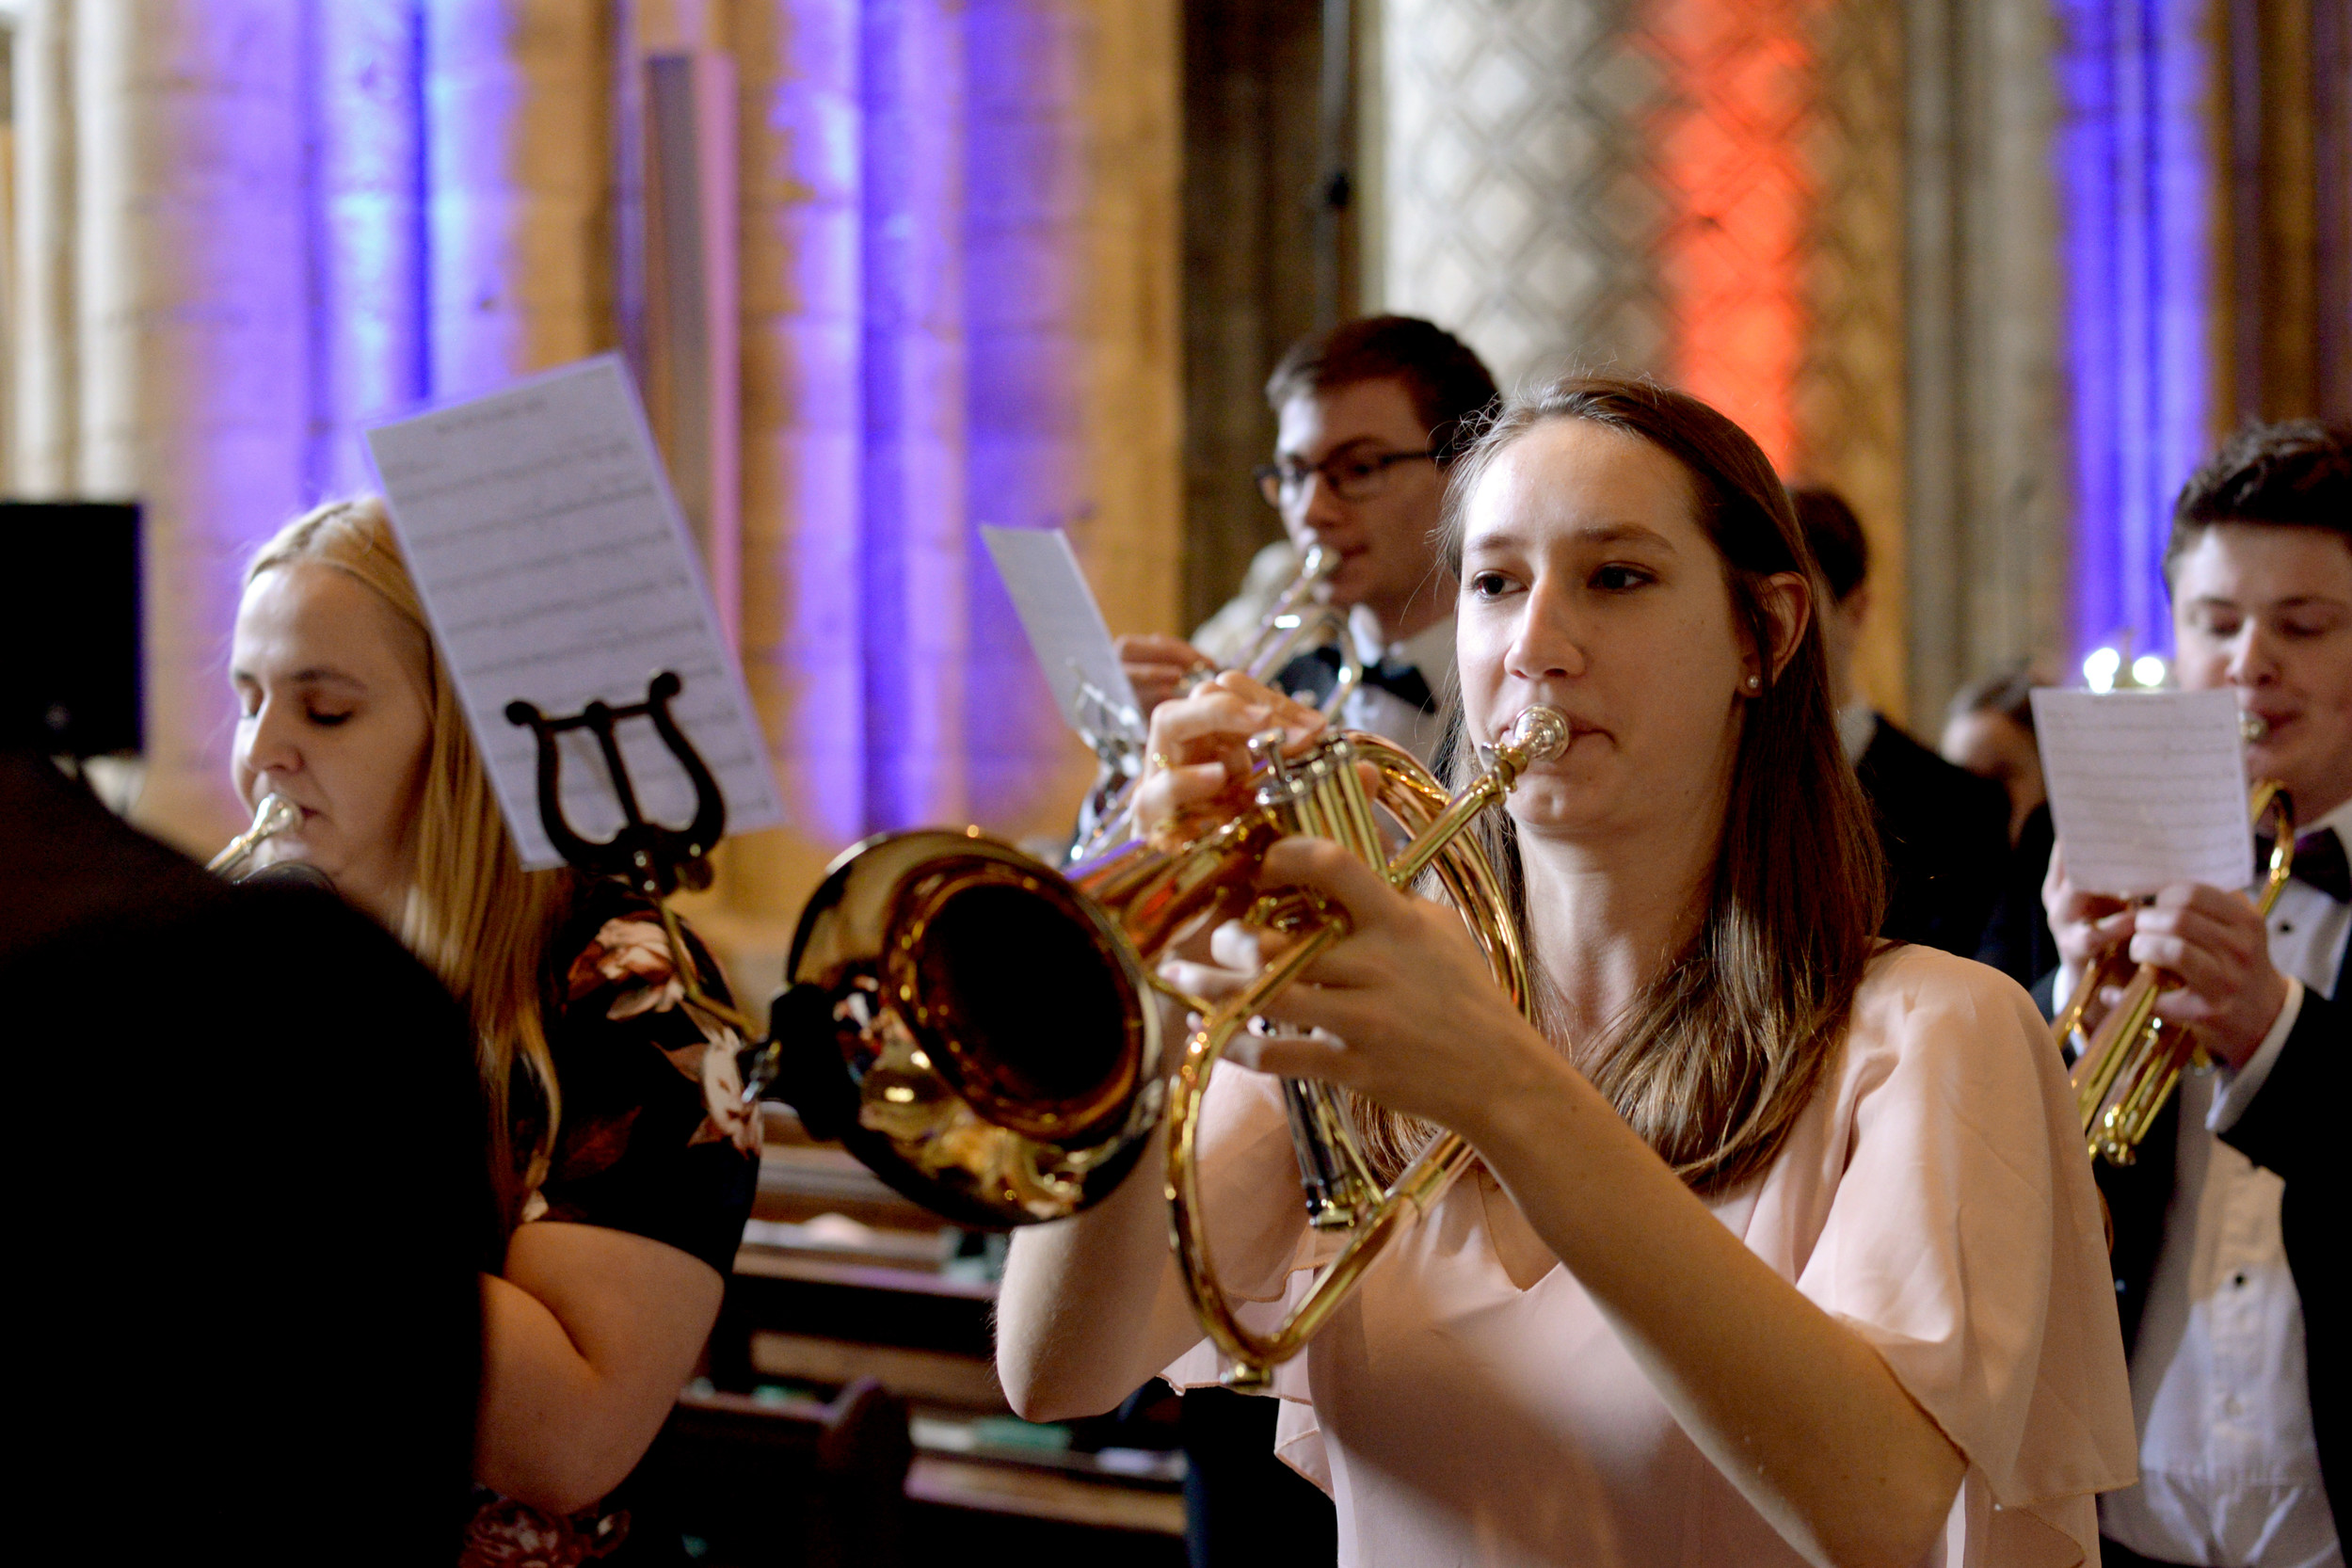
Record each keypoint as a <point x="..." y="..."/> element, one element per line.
<point x="1755" y="684"/>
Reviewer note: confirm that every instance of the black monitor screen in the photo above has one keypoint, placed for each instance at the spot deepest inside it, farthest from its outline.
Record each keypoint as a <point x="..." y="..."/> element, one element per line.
<point x="73" y="598"/>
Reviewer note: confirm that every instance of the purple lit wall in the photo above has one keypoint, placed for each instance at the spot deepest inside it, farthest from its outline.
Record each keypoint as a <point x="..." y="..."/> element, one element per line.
<point x="318" y="213"/>
<point x="2135" y="182"/>
<point x="929" y="302"/>
<point x="369" y="295"/>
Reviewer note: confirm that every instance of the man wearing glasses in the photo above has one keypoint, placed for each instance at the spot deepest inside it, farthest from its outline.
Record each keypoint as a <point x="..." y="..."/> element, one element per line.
<point x="1368" y="416"/>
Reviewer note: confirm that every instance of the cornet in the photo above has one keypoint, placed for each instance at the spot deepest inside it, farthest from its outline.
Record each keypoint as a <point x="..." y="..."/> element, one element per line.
<point x="986" y="1034"/>
<point x="1296" y="622"/>
<point x="2129" y="1067"/>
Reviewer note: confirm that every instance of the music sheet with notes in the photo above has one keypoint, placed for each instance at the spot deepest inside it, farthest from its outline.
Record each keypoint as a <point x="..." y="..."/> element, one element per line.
<point x="2146" y="787"/>
<point x="556" y="567"/>
<point x="1065" y="624"/>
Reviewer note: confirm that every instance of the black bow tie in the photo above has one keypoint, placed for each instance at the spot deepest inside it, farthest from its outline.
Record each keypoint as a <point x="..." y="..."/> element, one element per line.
<point x="1312" y="678"/>
<point x="2318" y="861"/>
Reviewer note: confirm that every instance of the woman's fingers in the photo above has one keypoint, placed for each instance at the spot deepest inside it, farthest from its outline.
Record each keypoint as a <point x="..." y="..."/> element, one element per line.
<point x="1325" y="868"/>
<point x="1311" y="1054"/>
<point x="1164" y="791"/>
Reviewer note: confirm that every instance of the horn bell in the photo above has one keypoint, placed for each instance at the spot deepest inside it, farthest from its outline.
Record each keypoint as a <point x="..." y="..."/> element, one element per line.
<point x="978" y="1033"/>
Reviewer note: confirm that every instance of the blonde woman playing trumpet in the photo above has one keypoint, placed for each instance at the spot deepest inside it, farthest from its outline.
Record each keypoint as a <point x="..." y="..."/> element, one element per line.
<point x="1783" y="1247"/>
<point x="625" y="1186"/>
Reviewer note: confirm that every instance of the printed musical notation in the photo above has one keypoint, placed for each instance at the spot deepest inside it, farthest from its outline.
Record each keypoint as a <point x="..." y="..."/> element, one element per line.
<point x="2146" y="787"/>
<point x="1065" y="624"/>
<point x="556" y="567"/>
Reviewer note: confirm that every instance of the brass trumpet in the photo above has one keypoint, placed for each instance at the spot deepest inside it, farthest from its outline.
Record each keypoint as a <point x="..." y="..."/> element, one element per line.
<point x="2122" y="1077"/>
<point x="1295" y="623"/>
<point x="986" y="1034"/>
<point x="273" y="816"/>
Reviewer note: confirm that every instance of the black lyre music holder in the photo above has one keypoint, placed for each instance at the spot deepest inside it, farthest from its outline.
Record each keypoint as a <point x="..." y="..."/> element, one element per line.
<point x="655" y="859"/>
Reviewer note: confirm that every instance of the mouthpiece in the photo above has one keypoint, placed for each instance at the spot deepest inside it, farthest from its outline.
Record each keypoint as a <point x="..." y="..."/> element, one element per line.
<point x="1540" y="734"/>
<point x="275" y="814"/>
<point x="2253" y="728"/>
<point x="1319" y="562"/>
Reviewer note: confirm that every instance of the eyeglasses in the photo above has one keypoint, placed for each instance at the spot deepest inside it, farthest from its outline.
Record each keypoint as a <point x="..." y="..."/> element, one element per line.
<point x="1351" y="475"/>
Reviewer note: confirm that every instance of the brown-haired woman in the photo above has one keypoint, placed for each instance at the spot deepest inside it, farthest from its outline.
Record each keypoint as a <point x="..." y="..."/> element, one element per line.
<point x="626" y="1185"/>
<point x="1783" y="1246"/>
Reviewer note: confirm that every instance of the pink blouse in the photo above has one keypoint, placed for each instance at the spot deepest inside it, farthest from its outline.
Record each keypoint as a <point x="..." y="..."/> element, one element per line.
<point x="1934" y="1197"/>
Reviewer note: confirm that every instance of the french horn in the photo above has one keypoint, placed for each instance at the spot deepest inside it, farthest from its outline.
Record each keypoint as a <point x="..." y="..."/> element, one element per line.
<point x="988" y="1033"/>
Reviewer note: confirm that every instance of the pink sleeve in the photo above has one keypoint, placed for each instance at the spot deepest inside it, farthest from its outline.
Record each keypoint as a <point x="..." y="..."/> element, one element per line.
<point x="1962" y="1240"/>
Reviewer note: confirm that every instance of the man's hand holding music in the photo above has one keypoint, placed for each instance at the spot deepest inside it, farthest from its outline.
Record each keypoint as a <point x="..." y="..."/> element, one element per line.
<point x="1157" y="668"/>
<point x="2211" y="940"/>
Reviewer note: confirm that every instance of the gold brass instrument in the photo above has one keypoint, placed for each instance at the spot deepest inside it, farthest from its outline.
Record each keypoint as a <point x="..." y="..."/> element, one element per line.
<point x="983" y="1033"/>
<point x="275" y="815"/>
<point x="2122" y="1077"/>
<point x="1296" y="622"/>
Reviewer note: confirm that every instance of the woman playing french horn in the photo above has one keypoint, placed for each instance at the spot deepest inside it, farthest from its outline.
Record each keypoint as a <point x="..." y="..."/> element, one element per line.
<point x="1782" y="1246"/>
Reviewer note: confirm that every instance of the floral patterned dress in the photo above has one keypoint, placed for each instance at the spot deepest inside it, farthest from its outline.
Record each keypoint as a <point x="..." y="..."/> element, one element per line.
<point x="651" y="1140"/>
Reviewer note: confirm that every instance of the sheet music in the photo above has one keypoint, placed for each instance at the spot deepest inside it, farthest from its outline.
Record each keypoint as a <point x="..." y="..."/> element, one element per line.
<point x="1058" y="611"/>
<point x="2146" y="787"/>
<point x="556" y="567"/>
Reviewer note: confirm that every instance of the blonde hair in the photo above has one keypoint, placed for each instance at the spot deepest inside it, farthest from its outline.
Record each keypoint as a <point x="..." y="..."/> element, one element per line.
<point x="472" y="914"/>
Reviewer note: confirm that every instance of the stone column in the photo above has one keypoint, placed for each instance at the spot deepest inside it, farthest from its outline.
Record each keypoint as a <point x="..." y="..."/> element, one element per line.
<point x="42" y="345"/>
<point x="521" y="243"/>
<point x="801" y="163"/>
<point x="1516" y="205"/>
<point x="1850" y="391"/>
<point x="918" y="555"/>
<point x="1986" y="492"/>
<point x="1076" y="362"/>
<point x="367" y="216"/>
<point x="195" y="359"/>
<point x="1709" y="191"/>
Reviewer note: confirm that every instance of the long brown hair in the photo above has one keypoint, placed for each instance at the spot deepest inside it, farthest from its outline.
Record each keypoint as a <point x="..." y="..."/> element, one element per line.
<point x="1727" y="1042"/>
<point x="474" y="915"/>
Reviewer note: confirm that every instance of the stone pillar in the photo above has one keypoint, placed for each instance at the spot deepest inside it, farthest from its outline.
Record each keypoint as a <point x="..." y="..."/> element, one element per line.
<point x="1985" y="484"/>
<point x="919" y="554"/>
<point x="521" y="243"/>
<point x="367" y="217"/>
<point x="1709" y="191"/>
<point x="193" y="365"/>
<point x="801" y="165"/>
<point x="42" y="345"/>
<point x="1076" y="364"/>
<point x="1515" y="204"/>
<point x="1850" y="389"/>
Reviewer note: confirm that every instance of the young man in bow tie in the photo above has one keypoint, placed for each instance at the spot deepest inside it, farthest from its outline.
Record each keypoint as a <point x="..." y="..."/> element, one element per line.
<point x="1368" y="415"/>
<point x="2230" y="1232"/>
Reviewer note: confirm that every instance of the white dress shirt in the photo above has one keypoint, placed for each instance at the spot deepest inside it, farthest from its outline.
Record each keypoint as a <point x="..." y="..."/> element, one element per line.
<point x="2229" y="1467"/>
<point x="1430" y="650"/>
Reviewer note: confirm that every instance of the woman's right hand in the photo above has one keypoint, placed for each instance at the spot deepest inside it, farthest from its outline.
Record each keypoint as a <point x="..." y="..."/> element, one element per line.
<point x="1199" y="744"/>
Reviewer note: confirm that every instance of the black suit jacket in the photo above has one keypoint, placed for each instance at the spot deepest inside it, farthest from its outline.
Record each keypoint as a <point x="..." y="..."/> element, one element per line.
<point x="251" y="1197"/>
<point x="1946" y="836"/>
<point x="2291" y="1127"/>
<point x="2018" y="940"/>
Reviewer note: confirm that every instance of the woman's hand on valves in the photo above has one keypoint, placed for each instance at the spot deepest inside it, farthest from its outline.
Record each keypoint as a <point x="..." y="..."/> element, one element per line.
<point x="1402" y="1008"/>
<point x="1199" y="744"/>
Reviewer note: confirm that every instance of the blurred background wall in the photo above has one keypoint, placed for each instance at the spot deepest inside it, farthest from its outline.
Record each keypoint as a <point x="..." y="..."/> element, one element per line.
<point x="1999" y="270"/>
